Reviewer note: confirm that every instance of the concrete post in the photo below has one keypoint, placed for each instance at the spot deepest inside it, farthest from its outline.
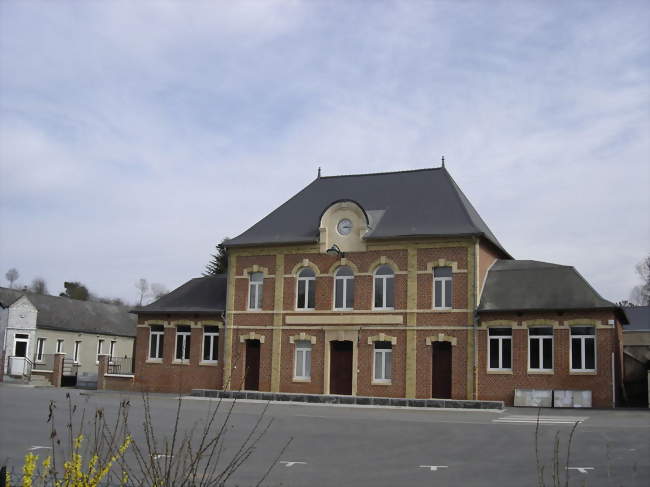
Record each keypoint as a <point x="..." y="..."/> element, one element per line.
<point x="102" y="370"/>
<point x="57" y="369"/>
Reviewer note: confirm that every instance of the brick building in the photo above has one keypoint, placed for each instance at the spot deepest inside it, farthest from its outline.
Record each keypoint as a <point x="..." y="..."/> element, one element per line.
<point x="385" y="285"/>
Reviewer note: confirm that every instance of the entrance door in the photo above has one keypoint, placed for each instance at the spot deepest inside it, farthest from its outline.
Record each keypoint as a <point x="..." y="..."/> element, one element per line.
<point x="441" y="370"/>
<point x="252" y="374"/>
<point x="21" y="345"/>
<point x="341" y="367"/>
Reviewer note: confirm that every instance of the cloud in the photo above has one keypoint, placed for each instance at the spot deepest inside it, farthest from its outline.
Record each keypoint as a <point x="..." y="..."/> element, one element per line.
<point x="134" y="136"/>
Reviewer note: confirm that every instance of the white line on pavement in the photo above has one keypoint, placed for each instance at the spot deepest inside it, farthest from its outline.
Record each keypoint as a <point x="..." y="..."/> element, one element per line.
<point x="291" y="464"/>
<point x="581" y="469"/>
<point x="35" y="447"/>
<point x="433" y="468"/>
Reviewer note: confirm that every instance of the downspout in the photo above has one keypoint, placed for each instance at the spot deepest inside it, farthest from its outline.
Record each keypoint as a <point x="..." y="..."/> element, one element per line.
<point x="475" y="320"/>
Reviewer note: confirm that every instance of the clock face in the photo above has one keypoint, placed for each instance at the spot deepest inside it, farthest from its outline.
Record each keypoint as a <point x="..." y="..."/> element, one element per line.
<point x="344" y="227"/>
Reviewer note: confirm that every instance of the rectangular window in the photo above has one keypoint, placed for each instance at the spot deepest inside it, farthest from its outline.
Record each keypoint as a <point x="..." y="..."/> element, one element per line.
<point x="302" y="359"/>
<point x="442" y="280"/>
<point x="210" y="343"/>
<point x="100" y="346"/>
<point x="40" y="349"/>
<point x="540" y="348"/>
<point x="383" y="357"/>
<point x="59" y="346"/>
<point x="111" y="350"/>
<point x="500" y="349"/>
<point x="156" y="341"/>
<point x="183" y="333"/>
<point x="77" y="350"/>
<point x="583" y="348"/>
<point x="255" y="286"/>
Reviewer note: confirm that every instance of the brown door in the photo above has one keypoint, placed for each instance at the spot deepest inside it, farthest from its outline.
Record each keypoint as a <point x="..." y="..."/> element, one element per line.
<point x="341" y="367"/>
<point x="252" y="376"/>
<point x="441" y="370"/>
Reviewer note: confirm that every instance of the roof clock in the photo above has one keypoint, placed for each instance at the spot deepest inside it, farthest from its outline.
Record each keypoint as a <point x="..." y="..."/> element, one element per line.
<point x="344" y="227"/>
<point x="343" y="223"/>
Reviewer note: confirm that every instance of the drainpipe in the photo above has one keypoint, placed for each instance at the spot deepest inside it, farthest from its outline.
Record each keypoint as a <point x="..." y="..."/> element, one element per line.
<point x="475" y="321"/>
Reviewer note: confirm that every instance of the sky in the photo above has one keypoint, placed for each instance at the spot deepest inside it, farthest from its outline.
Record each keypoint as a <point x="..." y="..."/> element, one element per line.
<point x="134" y="136"/>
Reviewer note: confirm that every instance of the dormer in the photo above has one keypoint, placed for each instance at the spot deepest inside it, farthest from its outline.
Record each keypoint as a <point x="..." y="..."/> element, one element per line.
<point x="344" y="223"/>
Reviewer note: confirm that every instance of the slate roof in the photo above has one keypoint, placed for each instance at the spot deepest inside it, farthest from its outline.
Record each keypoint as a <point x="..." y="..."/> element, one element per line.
<point x="422" y="202"/>
<point x="198" y="295"/>
<point x="639" y="318"/>
<point x="65" y="314"/>
<point x="518" y="285"/>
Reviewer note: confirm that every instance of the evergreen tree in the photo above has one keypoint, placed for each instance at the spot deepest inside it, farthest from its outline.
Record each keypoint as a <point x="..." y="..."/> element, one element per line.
<point x="219" y="261"/>
<point x="75" y="290"/>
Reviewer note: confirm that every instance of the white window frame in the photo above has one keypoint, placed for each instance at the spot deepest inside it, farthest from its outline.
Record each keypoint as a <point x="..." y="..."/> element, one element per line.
<point x="583" y="341"/>
<point x="302" y="357"/>
<point x="500" y="338"/>
<point x="211" y="335"/>
<point x="111" y="350"/>
<point x="541" y="339"/>
<point x="76" y="352"/>
<point x="256" y="287"/>
<point x="158" y="334"/>
<point x="382" y="352"/>
<point x="59" y="345"/>
<point x="309" y="281"/>
<point x="40" y="349"/>
<point x="344" y="282"/>
<point x="443" y="290"/>
<point x="184" y="336"/>
<point x="384" y="285"/>
<point x="100" y="347"/>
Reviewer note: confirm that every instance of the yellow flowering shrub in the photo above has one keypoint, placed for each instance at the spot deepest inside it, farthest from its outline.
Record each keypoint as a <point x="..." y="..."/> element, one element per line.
<point x="74" y="473"/>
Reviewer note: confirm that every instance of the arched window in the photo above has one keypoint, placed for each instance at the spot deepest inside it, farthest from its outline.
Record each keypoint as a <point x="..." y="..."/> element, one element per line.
<point x="255" y="283"/>
<point x="306" y="289"/>
<point x="344" y="288"/>
<point x="384" y="288"/>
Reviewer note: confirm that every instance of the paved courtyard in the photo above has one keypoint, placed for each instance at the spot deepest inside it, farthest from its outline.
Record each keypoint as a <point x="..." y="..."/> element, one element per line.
<point x="361" y="446"/>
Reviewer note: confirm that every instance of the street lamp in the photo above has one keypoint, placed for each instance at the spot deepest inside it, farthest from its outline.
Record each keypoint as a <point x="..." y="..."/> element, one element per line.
<point x="335" y="250"/>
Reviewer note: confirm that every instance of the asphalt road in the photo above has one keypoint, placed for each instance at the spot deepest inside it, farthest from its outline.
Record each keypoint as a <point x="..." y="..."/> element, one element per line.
<point x="359" y="446"/>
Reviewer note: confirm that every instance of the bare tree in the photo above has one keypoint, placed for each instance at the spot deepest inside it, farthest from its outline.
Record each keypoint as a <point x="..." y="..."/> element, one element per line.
<point x="39" y="286"/>
<point x="158" y="290"/>
<point x="142" y="285"/>
<point x="640" y="294"/>
<point x="12" y="275"/>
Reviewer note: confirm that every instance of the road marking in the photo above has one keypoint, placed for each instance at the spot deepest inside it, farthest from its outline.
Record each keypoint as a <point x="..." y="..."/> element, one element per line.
<point x="541" y="419"/>
<point x="581" y="469"/>
<point x="433" y="468"/>
<point x="35" y="447"/>
<point x="291" y="464"/>
<point x="160" y="455"/>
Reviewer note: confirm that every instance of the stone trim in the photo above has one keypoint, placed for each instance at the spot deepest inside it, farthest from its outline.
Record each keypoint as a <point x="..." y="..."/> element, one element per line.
<point x="304" y="263"/>
<point x="255" y="268"/>
<point x="583" y="322"/>
<point x="302" y="336"/>
<point x="344" y="262"/>
<point x="210" y="323"/>
<point x="332" y="319"/>
<point x="441" y="337"/>
<point x="383" y="260"/>
<point x="499" y="323"/>
<point x="542" y="322"/>
<point x="148" y="323"/>
<point x="175" y="323"/>
<point x="382" y="338"/>
<point x="251" y="336"/>
<point x="444" y="263"/>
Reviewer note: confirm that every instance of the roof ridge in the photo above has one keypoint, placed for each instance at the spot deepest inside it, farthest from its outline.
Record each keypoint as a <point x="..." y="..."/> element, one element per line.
<point x="381" y="173"/>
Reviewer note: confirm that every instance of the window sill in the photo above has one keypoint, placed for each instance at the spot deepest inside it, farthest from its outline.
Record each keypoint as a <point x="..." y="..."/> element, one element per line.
<point x="303" y="380"/>
<point x="154" y="361"/>
<point x="499" y="372"/>
<point x="305" y="309"/>
<point x="212" y="363"/>
<point x="583" y="372"/>
<point x="181" y="362"/>
<point x="383" y="309"/>
<point x="381" y="382"/>
<point x="342" y="309"/>
<point x="541" y="372"/>
<point x="441" y="310"/>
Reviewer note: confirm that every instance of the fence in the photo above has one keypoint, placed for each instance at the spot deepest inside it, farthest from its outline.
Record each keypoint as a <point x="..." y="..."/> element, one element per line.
<point x="120" y="365"/>
<point x="46" y="362"/>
